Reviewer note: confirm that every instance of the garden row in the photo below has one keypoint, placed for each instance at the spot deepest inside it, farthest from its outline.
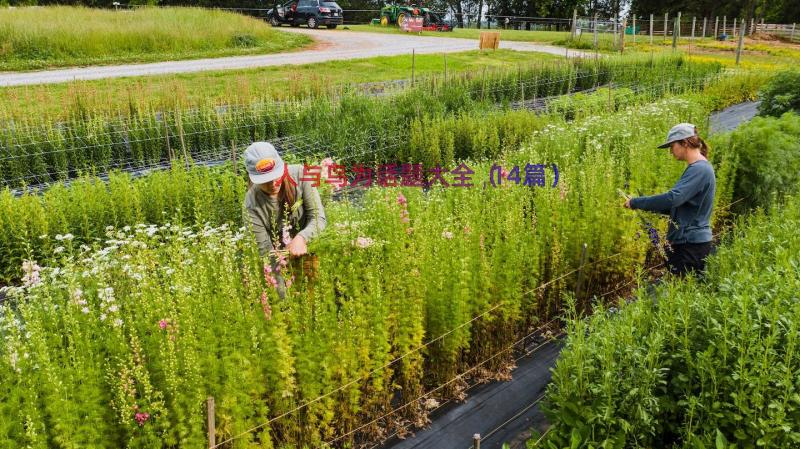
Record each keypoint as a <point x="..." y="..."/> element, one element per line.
<point x="699" y="364"/>
<point x="119" y="342"/>
<point x="86" y="206"/>
<point x="42" y="152"/>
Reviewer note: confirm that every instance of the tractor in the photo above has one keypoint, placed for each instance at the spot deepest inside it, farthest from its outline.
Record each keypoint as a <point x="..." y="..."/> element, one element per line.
<point x="396" y="14"/>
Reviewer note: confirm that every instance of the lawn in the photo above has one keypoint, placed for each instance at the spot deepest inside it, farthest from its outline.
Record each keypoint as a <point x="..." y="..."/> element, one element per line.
<point x="40" y="38"/>
<point x="277" y="82"/>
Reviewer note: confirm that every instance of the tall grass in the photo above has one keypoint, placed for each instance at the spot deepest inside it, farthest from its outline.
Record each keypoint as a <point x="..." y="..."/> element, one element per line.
<point x="40" y="37"/>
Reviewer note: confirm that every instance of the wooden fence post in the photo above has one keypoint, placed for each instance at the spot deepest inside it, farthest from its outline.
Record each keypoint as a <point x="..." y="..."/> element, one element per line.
<point x="716" y="27"/>
<point x="666" y="26"/>
<point x="734" y="28"/>
<point x="694" y="22"/>
<point x="212" y="423"/>
<point x="476" y="441"/>
<point x="705" y="20"/>
<point x="651" y="29"/>
<point x="574" y="23"/>
<point x="622" y="36"/>
<point x="791" y="36"/>
<point x="739" y="47"/>
<point x="634" y="29"/>
<point x="724" y="24"/>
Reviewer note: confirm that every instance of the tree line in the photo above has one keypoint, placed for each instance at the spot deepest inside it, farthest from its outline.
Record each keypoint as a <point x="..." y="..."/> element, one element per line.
<point x="773" y="11"/>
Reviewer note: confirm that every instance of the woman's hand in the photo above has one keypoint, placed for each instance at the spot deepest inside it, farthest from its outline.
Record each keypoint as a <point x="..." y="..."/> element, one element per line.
<point x="627" y="204"/>
<point x="297" y="247"/>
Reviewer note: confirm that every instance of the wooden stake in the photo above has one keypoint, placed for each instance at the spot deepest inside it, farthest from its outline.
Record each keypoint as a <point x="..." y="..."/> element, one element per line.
<point x="212" y="423"/>
<point x="739" y="47"/>
<point x="476" y="441"/>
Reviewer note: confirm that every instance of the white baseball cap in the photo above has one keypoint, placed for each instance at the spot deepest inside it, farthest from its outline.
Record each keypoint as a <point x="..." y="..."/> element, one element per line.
<point x="263" y="162"/>
<point x="679" y="132"/>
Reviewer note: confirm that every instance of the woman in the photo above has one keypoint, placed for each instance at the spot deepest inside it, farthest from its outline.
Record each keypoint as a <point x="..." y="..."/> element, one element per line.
<point x="689" y="203"/>
<point x="284" y="214"/>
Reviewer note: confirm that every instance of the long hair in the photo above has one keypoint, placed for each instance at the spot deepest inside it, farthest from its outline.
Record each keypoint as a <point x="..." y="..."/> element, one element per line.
<point x="288" y="192"/>
<point x="697" y="142"/>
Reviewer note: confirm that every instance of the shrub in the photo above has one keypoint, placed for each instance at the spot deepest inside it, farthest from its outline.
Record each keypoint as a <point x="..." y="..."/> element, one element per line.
<point x="781" y="94"/>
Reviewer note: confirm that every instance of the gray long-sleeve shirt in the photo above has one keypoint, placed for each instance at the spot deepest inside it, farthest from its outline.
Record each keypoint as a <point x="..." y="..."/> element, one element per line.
<point x="267" y="215"/>
<point x="688" y="203"/>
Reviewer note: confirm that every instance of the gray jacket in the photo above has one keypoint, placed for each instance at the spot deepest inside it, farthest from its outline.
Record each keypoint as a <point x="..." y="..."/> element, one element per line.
<point x="267" y="216"/>
<point x="688" y="203"/>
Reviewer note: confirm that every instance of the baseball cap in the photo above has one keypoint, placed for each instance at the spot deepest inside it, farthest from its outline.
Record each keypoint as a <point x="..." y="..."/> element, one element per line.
<point x="263" y="162"/>
<point x="679" y="132"/>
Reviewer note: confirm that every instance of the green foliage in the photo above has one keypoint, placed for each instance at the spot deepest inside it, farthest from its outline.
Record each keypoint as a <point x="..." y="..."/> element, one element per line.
<point x="781" y="94"/>
<point x="38" y="151"/>
<point x="189" y="313"/>
<point x="767" y="151"/>
<point x="708" y="364"/>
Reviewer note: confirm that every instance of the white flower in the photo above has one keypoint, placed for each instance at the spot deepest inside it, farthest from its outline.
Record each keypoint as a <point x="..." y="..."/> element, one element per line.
<point x="102" y="317"/>
<point x="58" y="250"/>
<point x="59" y="237"/>
<point x="447" y="235"/>
<point x="113" y="308"/>
<point x="117" y="322"/>
<point x="68" y="237"/>
<point x="85" y="310"/>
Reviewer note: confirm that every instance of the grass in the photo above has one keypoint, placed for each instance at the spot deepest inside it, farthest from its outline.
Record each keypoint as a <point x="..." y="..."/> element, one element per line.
<point x="41" y="38"/>
<point x="242" y="86"/>
<point x="758" y="54"/>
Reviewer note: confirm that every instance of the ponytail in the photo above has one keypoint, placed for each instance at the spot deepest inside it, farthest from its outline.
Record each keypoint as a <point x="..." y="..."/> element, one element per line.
<point x="697" y="142"/>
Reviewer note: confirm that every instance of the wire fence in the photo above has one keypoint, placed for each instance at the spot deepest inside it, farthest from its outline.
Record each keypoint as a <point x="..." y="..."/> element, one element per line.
<point x="297" y="145"/>
<point x="418" y="348"/>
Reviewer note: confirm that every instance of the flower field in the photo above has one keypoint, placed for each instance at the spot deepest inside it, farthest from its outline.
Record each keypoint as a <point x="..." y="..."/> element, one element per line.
<point x="134" y="299"/>
<point x="40" y="151"/>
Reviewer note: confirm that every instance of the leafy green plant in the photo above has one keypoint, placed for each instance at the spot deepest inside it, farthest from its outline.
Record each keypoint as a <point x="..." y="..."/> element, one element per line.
<point x="710" y="364"/>
<point x="781" y="94"/>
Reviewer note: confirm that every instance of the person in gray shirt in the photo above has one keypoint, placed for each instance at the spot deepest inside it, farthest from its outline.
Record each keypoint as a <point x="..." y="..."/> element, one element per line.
<point x="689" y="203"/>
<point x="284" y="213"/>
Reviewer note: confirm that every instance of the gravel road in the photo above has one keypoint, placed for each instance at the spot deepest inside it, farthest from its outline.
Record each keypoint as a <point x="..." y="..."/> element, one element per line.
<point x="330" y="45"/>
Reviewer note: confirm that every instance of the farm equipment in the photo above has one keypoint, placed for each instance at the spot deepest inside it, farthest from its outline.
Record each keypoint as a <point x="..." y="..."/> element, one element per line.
<point x="396" y="14"/>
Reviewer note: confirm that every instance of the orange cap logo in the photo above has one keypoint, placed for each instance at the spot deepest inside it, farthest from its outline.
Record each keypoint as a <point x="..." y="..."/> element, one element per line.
<point x="265" y="165"/>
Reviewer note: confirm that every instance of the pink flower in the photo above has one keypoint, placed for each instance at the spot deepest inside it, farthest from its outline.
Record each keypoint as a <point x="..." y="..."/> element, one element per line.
<point x="327" y="162"/>
<point x="163" y="324"/>
<point x="141" y="418"/>
<point x="265" y="305"/>
<point x="289" y="281"/>
<point x="363" y="242"/>
<point x="401" y="200"/>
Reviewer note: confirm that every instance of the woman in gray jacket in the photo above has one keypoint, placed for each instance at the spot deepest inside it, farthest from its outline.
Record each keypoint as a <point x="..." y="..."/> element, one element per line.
<point x="689" y="203"/>
<point x="284" y="213"/>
